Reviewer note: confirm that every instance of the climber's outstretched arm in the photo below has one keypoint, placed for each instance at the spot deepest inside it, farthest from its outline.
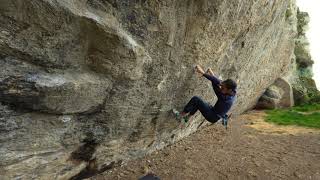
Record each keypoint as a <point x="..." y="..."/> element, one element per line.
<point x="215" y="81"/>
<point x="209" y="75"/>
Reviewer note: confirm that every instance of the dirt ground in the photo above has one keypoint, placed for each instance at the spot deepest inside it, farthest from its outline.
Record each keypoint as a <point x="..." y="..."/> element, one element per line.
<point x="250" y="149"/>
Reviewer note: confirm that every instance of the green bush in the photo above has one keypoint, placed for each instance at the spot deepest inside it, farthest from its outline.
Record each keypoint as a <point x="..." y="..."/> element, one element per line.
<point x="305" y="72"/>
<point x="315" y="99"/>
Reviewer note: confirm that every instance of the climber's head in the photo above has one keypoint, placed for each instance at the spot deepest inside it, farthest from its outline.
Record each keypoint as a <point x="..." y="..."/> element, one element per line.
<point x="228" y="86"/>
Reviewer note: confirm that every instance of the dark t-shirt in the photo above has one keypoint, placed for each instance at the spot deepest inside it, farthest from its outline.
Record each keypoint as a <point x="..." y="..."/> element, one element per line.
<point x="224" y="103"/>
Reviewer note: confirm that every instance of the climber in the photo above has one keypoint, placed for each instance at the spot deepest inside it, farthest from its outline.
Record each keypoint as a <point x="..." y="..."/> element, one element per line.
<point x="224" y="90"/>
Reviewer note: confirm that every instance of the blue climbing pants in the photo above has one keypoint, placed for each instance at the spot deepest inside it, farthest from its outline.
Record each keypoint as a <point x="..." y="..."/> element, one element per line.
<point x="196" y="103"/>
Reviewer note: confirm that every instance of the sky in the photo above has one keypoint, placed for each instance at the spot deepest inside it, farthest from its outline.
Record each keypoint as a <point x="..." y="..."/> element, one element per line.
<point x="313" y="34"/>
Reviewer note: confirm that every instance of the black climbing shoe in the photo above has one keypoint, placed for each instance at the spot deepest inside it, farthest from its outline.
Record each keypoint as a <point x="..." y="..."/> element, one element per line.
<point x="186" y="118"/>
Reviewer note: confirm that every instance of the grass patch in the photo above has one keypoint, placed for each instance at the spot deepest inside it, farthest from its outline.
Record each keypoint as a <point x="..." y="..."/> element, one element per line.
<point x="294" y="116"/>
<point x="307" y="108"/>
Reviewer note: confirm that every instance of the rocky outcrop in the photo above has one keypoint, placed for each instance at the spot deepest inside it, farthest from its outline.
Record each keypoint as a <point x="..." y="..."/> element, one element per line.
<point x="304" y="87"/>
<point x="88" y="84"/>
<point x="278" y="95"/>
<point x="299" y="77"/>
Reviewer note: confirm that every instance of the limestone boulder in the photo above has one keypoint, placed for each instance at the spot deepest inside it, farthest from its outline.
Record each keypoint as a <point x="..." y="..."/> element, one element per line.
<point x="63" y="93"/>
<point x="87" y="84"/>
<point x="278" y="95"/>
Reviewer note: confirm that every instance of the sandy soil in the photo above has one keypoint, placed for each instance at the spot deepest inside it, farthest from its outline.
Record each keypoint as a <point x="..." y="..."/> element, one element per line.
<point x="250" y="149"/>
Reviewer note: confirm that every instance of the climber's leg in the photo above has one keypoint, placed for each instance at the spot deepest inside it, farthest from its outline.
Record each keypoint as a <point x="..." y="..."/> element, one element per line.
<point x="195" y="104"/>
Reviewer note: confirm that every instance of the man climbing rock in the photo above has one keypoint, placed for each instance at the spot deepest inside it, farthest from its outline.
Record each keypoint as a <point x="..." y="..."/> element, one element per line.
<point x="226" y="93"/>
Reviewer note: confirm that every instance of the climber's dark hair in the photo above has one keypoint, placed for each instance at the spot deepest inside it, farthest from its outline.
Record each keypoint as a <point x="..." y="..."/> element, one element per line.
<point x="230" y="84"/>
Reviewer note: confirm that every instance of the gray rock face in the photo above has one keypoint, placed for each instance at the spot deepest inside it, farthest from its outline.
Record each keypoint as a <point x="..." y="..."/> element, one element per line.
<point x="55" y="93"/>
<point x="278" y="95"/>
<point x="89" y="83"/>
